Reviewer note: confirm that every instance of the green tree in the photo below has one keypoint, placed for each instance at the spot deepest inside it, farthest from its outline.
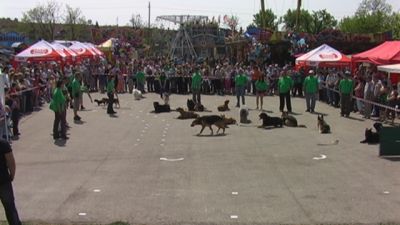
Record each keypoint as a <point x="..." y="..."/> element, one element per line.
<point x="322" y="20"/>
<point x="270" y="19"/>
<point x="289" y="21"/>
<point x="43" y="19"/>
<point x="75" y="22"/>
<point x="372" y="16"/>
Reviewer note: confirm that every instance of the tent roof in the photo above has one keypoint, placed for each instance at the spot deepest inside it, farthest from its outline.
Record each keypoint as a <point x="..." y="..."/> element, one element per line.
<point x="386" y="53"/>
<point x="40" y="51"/>
<point x="323" y="54"/>
<point x="82" y="50"/>
<point x="106" y="44"/>
<point x="395" y="68"/>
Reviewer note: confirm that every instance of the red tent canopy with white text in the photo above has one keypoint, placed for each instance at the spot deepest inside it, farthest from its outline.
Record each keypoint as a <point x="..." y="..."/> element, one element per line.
<point x="83" y="51"/>
<point x="323" y="56"/>
<point x="40" y="52"/>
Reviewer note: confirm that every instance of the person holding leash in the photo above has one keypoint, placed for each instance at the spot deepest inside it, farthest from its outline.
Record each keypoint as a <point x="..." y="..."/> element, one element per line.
<point x="110" y="94"/>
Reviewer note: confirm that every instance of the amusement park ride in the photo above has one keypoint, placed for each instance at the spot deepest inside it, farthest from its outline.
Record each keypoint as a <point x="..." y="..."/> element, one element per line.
<point x="182" y="46"/>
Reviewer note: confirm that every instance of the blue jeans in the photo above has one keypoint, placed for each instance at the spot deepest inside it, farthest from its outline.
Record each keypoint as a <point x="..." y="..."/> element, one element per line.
<point x="7" y="199"/>
<point x="310" y="101"/>
<point x="240" y="90"/>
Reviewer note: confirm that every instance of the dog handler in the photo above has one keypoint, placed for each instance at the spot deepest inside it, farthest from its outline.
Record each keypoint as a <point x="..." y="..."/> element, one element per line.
<point x="285" y="84"/>
<point x="196" y="86"/>
<point x="310" y="87"/>
<point x="240" y="85"/>
<point x="346" y="87"/>
<point x="110" y="94"/>
<point x="261" y="87"/>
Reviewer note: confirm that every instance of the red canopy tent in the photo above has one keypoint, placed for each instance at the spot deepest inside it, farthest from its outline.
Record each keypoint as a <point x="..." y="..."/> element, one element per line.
<point x="323" y="56"/>
<point x="94" y="49"/>
<point x="71" y="55"/>
<point x="82" y="50"/>
<point x="39" y="52"/>
<point x="386" y="53"/>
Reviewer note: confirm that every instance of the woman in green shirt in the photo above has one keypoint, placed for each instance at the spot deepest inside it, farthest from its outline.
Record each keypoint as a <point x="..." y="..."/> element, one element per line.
<point x="261" y="88"/>
<point x="58" y="105"/>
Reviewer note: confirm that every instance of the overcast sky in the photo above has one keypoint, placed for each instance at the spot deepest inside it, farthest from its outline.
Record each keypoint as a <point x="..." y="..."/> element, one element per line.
<point x="110" y="11"/>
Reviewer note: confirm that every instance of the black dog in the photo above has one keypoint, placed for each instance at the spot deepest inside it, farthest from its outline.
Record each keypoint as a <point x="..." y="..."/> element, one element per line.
<point x="102" y="101"/>
<point x="372" y="137"/>
<point x="190" y="104"/>
<point x="161" y="108"/>
<point x="270" y="121"/>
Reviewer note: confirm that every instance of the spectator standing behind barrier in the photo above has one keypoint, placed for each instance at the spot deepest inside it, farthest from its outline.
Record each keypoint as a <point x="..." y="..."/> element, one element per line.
<point x="346" y="87"/>
<point x="331" y="81"/>
<point x="368" y="96"/>
<point x="285" y="84"/>
<point x="255" y="76"/>
<point x="110" y="94"/>
<point x="13" y="102"/>
<point x="7" y="174"/>
<point x="240" y="87"/>
<point x="196" y="86"/>
<point x="321" y="83"/>
<point x="310" y="87"/>
<point x="298" y="83"/>
<point x="261" y="87"/>
<point x="377" y="84"/>
<point x="76" y="94"/>
<point x="57" y="104"/>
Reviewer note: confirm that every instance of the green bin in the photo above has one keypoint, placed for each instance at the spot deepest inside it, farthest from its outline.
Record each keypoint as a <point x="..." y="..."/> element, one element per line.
<point x="389" y="141"/>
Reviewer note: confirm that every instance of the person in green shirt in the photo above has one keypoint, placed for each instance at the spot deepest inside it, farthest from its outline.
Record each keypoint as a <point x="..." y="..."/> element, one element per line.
<point x="261" y="88"/>
<point x="310" y="87"/>
<point x="240" y="86"/>
<point x="140" y="79"/>
<point x="110" y="93"/>
<point x="58" y="105"/>
<point x="346" y="87"/>
<point x="285" y="84"/>
<point x="76" y="94"/>
<point x="196" y="86"/>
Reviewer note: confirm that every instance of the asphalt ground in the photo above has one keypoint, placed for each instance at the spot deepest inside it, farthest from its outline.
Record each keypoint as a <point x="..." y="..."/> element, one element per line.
<point x="146" y="168"/>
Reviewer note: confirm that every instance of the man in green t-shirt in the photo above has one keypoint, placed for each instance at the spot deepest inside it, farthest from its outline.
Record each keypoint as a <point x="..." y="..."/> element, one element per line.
<point x="110" y="93"/>
<point x="346" y="87"/>
<point x="58" y="105"/>
<point x="285" y="84"/>
<point x="240" y="86"/>
<point x="196" y="86"/>
<point x="140" y="79"/>
<point x="310" y="87"/>
<point x="76" y="94"/>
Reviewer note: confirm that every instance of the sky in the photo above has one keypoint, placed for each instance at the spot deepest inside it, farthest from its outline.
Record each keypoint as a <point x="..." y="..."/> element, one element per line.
<point x="111" y="12"/>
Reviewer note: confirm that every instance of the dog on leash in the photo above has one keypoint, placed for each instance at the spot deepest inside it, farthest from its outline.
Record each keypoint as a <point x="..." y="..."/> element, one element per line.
<point x="268" y="121"/>
<point x="290" y="121"/>
<point x="243" y="114"/>
<point x="323" y="127"/>
<point x="372" y="137"/>
<point x="137" y="94"/>
<point x="186" y="114"/>
<point x="224" y="107"/>
<point x="208" y="121"/>
<point x="158" y="108"/>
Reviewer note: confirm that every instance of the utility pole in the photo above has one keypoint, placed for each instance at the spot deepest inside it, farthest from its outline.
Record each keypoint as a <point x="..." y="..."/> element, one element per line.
<point x="149" y="17"/>
<point x="298" y="15"/>
<point x="262" y="14"/>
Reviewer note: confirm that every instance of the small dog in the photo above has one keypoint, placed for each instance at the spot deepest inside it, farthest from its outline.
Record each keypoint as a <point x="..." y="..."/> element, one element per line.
<point x="161" y="108"/>
<point x="208" y="121"/>
<point x="166" y="98"/>
<point x="289" y="120"/>
<point x="224" y="107"/>
<point x="243" y="114"/>
<point x="137" y="94"/>
<point x="323" y="127"/>
<point x="270" y="121"/>
<point x="102" y="101"/>
<point x="186" y="114"/>
<point x="228" y="121"/>
<point x="190" y="104"/>
<point x="372" y="137"/>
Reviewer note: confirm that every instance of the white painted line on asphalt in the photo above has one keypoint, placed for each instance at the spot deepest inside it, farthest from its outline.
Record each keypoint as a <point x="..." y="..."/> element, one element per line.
<point x="320" y="157"/>
<point x="96" y="190"/>
<point x="235" y="193"/>
<point x="386" y="192"/>
<point x="82" y="214"/>
<point x="138" y="139"/>
<point x="171" y="160"/>
<point x="234" y="216"/>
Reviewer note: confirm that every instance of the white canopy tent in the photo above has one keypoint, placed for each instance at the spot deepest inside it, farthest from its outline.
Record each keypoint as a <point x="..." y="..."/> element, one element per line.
<point x="395" y="68"/>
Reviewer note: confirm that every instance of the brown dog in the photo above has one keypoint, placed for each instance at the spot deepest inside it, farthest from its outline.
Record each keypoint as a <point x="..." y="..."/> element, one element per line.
<point x="228" y="121"/>
<point x="323" y="127"/>
<point x="224" y="107"/>
<point x="186" y="114"/>
<point x="208" y="121"/>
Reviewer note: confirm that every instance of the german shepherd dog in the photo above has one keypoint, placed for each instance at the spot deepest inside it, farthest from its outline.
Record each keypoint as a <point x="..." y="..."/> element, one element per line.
<point x="270" y="121"/>
<point x="323" y="127"/>
<point x="228" y="120"/>
<point x="186" y="114"/>
<point x="224" y="107"/>
<point x="190" y="104"/>
<point x="289" y="120"/>
<point x="161" y="108"/>
<point x="208" y="121"/>
<point x="372" y="137"/>
<point x="243" y="114"/>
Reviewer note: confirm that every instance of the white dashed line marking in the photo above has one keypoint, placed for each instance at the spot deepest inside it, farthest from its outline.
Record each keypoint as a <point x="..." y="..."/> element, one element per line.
<point x="96" y="190"/>
<point x="321" y="157"/>
<point x="234" y="216"/>
<point x="82" y="214"/>
<point x="386" y="192"/>
<point x="171" y="160"/>
<point x="138" y="139"/>
<point x="235" y="193"/>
